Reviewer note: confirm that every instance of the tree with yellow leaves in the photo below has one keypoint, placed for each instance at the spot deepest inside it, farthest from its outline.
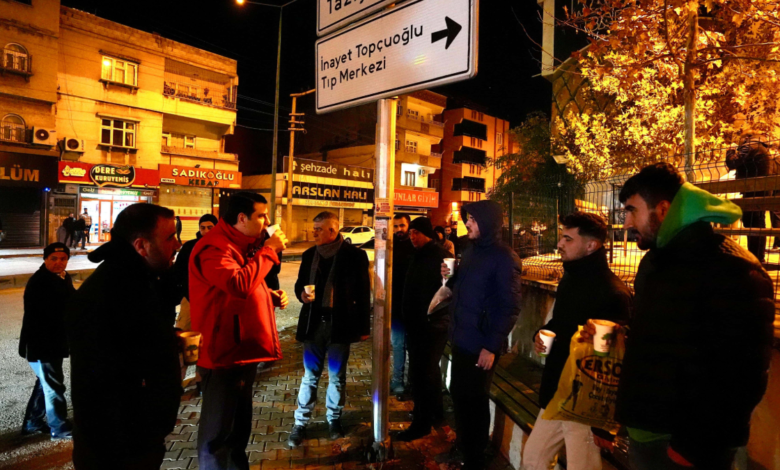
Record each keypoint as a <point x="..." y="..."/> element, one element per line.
<point x="679" y="73"/>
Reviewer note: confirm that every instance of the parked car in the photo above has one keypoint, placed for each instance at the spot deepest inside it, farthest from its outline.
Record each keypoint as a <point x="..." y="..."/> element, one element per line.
<point x="368" y="247"/>
<point x="357" y="235"/>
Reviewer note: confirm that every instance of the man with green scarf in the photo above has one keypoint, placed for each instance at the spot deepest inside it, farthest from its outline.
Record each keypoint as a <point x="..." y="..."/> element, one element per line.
<point x="335" y="290"/>
<point x="698" y="348"/>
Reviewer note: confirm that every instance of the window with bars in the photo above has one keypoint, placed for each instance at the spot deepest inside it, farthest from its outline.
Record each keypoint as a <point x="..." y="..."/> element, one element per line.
<point x="476" y="143"/>
<point x="119" y="71"/>
<point x="13" y="129"/>
<point x="411" y="146"/>
<point x="414" y="114"/>
<point x="499" y="138"/>
<point x="118" y="133"/>
<point x="15" y="57"/>
<point x="434" y="183"/>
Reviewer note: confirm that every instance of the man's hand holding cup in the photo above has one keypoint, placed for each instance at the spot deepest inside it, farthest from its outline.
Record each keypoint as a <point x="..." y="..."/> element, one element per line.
<point x="276" y="238"/>
<point x="308" y="294"/>
<point x="448" y="268"/>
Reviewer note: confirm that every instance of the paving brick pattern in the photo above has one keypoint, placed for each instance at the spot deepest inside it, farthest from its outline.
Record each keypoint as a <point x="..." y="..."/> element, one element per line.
<point x="275" y="392"/>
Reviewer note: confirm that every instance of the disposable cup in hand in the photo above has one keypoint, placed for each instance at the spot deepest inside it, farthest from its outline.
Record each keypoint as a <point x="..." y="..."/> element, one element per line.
<point x="190" y="346"/>
<point x="548" y="337"/>
<point x="271" y="229"/>
<point x="308" y="289"/>
<point x="602" y="340"/>
<point x="450" y="262"/>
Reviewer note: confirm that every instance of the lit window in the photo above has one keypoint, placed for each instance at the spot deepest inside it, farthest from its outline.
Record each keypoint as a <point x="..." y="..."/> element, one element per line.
<point x="409" y="178"/>
<point x="16" y="58"/>
<point x="117" y="133"/>
<point x="13" y="128"/>
<point x="119" y="71"/>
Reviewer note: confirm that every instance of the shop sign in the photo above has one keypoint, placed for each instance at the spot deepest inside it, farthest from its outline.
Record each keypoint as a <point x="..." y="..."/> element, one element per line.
<point x="27" y="170"/>
<point x="121" y="176"/>
<point x="330" y="170"/>
<point x="117" y="191"/>
<point x="411" y="198"/>
<point x="316" y="203"/>
<point x="107" y="175"/>
<point x="199" y="177"/>
<point x="326" y="192"/>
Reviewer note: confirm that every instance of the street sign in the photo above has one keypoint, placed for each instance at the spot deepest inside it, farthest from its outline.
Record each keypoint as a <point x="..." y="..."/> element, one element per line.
<point x="419" y="44"/>
<point x="334" y="14"/>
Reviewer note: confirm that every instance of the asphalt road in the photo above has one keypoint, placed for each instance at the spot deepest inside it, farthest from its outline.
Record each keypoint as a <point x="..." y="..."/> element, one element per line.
<point x="17" y="380"/>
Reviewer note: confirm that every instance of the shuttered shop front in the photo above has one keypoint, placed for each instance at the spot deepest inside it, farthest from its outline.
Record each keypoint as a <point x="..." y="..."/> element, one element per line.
<point x="24" y="179"/>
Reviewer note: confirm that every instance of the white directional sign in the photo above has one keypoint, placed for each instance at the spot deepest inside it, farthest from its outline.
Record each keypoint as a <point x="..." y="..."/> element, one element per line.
<point x="418" y="44"/>
<point x="333" y="14"/>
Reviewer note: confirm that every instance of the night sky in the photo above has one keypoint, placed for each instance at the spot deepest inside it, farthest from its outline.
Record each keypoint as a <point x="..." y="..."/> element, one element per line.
<point x="504" y="87"/>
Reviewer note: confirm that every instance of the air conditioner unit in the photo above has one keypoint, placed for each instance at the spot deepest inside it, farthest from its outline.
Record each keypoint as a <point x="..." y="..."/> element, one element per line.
<point x="44" y="137"/>
<point x="422" y="172"/>
<point x="70" y="144"/>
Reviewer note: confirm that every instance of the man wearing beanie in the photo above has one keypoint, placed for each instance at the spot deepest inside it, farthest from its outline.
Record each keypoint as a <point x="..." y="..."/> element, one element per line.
<point x="427" y="333"/>
<point x="181" y="272"/>
<point x="44" y="345"/>
<point x="485" y="306"/>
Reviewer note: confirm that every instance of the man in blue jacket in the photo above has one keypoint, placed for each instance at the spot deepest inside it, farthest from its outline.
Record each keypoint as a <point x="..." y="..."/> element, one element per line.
<point x="485" y="306"/>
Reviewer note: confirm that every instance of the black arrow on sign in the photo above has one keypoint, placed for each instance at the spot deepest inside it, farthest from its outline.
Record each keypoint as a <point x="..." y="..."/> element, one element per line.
<point x="450" y="33"/>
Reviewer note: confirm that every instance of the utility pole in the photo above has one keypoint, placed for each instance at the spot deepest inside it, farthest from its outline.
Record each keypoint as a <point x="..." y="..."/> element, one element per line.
<point x="276" y="122"/>
<point x="689" y="91"/>
<point x="293" y="130"/>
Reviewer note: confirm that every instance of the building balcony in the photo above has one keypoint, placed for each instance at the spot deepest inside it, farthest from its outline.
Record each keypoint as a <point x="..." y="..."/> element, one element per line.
<point x="199" y="97"/>
<point x="17" y="66"/>
<point x="410" y="155"/>
<point x="197" y="153"/>
<point x="422" y="125"/>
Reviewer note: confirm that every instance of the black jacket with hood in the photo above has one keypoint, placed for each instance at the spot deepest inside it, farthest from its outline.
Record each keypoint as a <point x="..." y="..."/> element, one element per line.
<point x="588" y="289"/>
<point x="43" y="326"/>
<point x="121" y="337"/>
<point x="423" y="280"/>
<point x="486" y="286"/>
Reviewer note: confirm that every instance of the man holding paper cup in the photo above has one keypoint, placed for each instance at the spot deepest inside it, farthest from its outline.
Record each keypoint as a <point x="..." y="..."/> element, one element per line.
<point x="233" y="308"/>
<point x="587" y="290"/>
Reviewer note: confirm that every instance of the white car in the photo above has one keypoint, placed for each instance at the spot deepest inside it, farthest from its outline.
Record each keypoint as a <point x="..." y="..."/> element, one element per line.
<point x="357" y="235"/>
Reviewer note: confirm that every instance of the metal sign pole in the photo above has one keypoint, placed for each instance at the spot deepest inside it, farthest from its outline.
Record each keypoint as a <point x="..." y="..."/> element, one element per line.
<point x="383" y="277"/>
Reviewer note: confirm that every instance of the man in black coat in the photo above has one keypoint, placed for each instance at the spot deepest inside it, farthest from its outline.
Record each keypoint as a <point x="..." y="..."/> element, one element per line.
<point x="44" y="345"/>
<point x="334" y="315"/>
<point x="79" y="227"/>
<point x="426" y="334"/>
<point x="124" y="352"/>
<point x="589" y="289"/>
<point x="486" y="294"/>
<point x="697" y="354"/>
<point x="68" y="224"/>
<point x="402" y="257"/>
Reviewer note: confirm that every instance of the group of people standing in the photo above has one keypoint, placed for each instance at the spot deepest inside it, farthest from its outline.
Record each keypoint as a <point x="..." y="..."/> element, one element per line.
<point x="75" y="230"/>
<point x="703" y="310"/>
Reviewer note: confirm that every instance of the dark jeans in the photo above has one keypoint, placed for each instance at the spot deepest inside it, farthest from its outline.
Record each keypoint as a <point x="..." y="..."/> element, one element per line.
<point x="48" y="398"/>
<point x="653" y="456"/>
<point x="86" y="238"/>
<point x="426" y="346"/>
<point x="756" y="244"/>
<point x="225" y="417"/>
<point x="77" y="238"/>
<point x="69" y="238"/>
<point x="469" y="389"/>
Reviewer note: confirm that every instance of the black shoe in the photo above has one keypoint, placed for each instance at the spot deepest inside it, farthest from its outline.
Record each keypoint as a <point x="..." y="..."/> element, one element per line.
<point x="413" y="433"/>
<point x="454" y="456"/>
<point x="28" y="430"/>
<point x="335" y="430"/>
<point x="297" y="436"/>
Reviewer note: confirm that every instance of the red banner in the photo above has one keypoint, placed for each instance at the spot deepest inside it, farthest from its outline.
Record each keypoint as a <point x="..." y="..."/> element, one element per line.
<point x="118" y="176"/>
<point x="411" y="198"/>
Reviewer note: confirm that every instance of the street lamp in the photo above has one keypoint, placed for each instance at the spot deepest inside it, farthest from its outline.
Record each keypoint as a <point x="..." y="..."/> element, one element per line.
<point x="276" y="103"/>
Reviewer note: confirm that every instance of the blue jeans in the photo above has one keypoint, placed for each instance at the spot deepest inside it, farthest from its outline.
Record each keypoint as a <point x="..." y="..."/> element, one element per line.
<point x="313" y="361"/>
<point x="653" y="456"/>
<point x="398" y="342"/>
<point x="48" y="395"/>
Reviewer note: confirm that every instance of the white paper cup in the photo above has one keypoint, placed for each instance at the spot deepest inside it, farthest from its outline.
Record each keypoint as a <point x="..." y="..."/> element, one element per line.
<point x="603" y="337"/>
<point x="190" y="346"/>
<point x="308" y="289"/>
<point x="271" y="229"/>
<point x="450" y="262"/>
<point x="548" y="337"/>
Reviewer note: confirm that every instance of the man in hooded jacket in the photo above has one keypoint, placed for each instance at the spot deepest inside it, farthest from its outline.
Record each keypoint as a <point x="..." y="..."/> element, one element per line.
<point x="121" y="338"/>
<point x="485" y="306"/>
<point x="697" y="355"/>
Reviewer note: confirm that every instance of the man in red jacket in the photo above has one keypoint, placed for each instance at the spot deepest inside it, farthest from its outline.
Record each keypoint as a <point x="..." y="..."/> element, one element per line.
<point x="233" y="308"/>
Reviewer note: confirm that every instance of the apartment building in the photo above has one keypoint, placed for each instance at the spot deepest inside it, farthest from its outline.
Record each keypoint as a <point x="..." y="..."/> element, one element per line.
<point x="96" y="115"/>
<point x="471" y="139"/>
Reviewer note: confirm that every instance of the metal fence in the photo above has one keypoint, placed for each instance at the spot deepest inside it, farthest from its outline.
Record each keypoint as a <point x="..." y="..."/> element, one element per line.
<point x="748" y="174"/>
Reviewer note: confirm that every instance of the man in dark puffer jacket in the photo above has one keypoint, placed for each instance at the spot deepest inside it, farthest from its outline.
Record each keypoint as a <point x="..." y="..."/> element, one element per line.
<point x="698" y="351"/>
